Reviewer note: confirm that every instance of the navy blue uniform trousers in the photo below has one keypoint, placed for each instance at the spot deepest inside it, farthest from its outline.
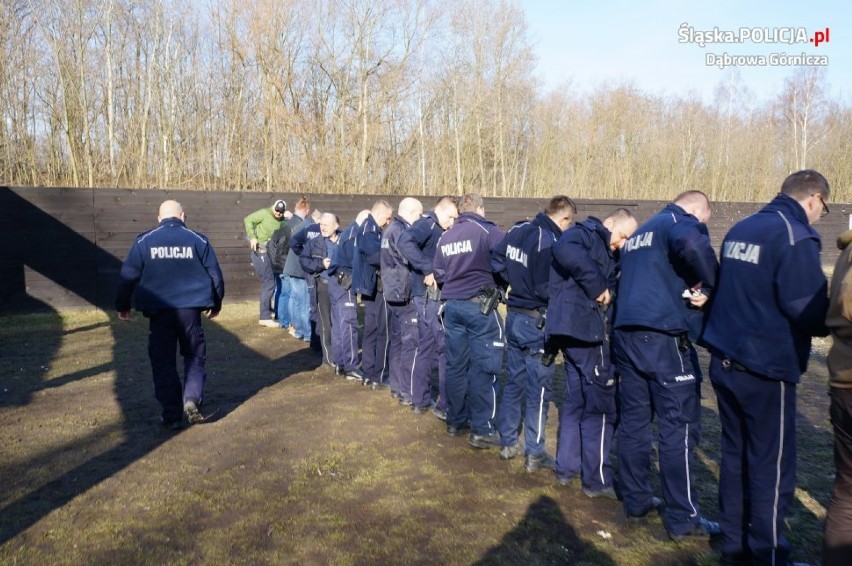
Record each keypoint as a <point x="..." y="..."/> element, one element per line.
<point x="344" y="326"/>
<point x="658" y="378"/>
<point x="374" y="350"/>
<point x="475" y="345"/>
<point x="528" y="384"/>
<point x="403" y="351"/>
<point x="587" y="416"/>
<point x="166" y="330"/>
<point x="324" y="323"/>
<point x="758" y="472"/>
<point x="432" y="350"/>
<point x="263" y="269"/>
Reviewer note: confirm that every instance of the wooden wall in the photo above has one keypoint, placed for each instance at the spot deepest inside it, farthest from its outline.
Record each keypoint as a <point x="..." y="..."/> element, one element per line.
<point x="64" y="247"/>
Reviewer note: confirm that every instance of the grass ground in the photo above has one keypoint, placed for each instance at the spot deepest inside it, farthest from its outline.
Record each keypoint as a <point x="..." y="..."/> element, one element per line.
<point x="298" y="466"/>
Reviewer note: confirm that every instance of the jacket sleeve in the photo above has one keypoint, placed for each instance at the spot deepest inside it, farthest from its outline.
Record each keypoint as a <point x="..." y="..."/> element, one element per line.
<point x="696" y="261"/>
<point x="411" y="243"/>
<point x="370" y="246"/>
<point x="312" y="255"/>
<point x="131" y="272"/>
<point x="541" y="271"/>
<point x="211" y="263"/>
<point x="251" y="221"/>
<point x="571" y="255"/>
<point x="297" y="240"/>
<point x="801" y="287"/>
<point x="498" y="261"/>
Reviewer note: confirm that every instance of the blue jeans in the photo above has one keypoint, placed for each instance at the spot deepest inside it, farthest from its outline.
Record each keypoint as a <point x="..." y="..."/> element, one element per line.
<point x="282" y="300"/>
<point x="299" y="308"/>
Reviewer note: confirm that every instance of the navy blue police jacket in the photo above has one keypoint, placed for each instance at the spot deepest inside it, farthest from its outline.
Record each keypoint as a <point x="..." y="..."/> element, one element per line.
<point x="314" y="252"/>
<point x="342" y="260"/>
<point x="366" y="260"/>
<point x="396" y="277"/>
<point x="418" y="245"/>
<point x="772" y="294"/>
<point x="668" y="254"/>
<point x="463" y="259"/>
<point x="522" y="259"/>
<point x="584" y="266"/>
<point x="171" y="267"/>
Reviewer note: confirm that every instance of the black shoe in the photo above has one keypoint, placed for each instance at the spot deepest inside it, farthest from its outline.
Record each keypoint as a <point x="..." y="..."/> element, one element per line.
<point x="703" y="530"/>
<point x="656" y="504"/>
<point x="543" y="461"/>
<point x="439" y="414"/>
<point x="405" y="402"/>
<point x="193" y="415"/>
<point x="355" y="375"/>
<point x="573" y="481"/>
<point x="484" y="440"/>
<point x="421" y="410"/>
<point x="607" y="492"/>
<point x="509" y="452"/>
<point x="376" y="385"/>
<point x="171" y="425"/>
<point x="735" y="559"/>
<point x="457" y="430"/>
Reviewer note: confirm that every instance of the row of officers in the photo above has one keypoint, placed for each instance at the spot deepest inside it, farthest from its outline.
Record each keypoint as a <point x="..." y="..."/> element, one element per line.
<point x="624" y="305"/>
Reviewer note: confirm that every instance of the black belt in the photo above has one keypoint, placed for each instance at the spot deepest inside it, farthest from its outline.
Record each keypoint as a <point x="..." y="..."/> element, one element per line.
<point x="728" y="363"/>
<point x="529" y="312"/>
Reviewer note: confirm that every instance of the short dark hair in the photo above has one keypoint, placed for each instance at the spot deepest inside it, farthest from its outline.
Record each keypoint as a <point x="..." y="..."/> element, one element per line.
<point x="802" y="184"/>
<point x="558" y="204"/>
<point x="469" y="203"/>
<point x="447" y="199"/>
<point x="620" y="213"/>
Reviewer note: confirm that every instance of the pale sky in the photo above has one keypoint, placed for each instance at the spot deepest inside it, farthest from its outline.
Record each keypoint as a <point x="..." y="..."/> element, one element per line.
<point x="612" y="42"/>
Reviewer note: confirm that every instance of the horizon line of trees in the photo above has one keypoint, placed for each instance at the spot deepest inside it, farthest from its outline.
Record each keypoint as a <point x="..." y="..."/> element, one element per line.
<point x="373" y="96"/>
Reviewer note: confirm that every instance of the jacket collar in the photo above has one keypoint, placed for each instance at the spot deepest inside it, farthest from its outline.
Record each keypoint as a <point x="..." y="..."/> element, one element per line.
<point x="544" y="221"/>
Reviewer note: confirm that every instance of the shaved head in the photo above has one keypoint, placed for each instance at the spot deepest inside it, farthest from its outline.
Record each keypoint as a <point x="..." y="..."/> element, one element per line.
<point x="170" y="209"/>
<point x="695" y="203"/>
<point x="411" y="209"/>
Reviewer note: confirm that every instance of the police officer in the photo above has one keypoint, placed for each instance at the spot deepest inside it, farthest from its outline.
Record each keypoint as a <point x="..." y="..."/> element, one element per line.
<point x="176" y="277"/>
<point x="309" y="230"/>
<point x="582" y="284"/>
<point x="770" y="299"/>
<point x="294" y="273"/>
<point x="316" y="258"/>
<point x="670" y="255"/>
<point x="366" y="280"/>
<point x="260" y="225"/>
<point x="403" y="356"/>
<point x="418" y="245"/>
<point x="473" y="327"/>
<point x="345" y="344"/>
<point x="522" y="259"/>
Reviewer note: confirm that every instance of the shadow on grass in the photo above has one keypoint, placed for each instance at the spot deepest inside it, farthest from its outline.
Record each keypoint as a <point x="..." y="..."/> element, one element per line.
<point x="38" y="344"/>
<point x="544" y="537"/>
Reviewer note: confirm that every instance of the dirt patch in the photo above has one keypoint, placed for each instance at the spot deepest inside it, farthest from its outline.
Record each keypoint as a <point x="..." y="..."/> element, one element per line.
<point x="296" y="465"/>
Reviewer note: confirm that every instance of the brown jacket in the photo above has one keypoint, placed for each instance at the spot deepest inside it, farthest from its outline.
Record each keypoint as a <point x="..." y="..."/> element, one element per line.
<point x="839" y="316"/>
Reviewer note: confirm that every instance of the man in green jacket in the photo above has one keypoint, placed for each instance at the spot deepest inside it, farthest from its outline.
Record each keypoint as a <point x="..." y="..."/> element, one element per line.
<point x="260" y="226"/>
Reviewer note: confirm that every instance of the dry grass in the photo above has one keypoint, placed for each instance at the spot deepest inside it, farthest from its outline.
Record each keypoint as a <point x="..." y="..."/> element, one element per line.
<point x="296" y="466"/>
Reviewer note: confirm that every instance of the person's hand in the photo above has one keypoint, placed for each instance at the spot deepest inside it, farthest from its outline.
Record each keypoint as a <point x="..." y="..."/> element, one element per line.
<point x="326" y="262"/>
<point x="698" y="300"/>
<point x="124" y="315"/>
<point x="253" y="244"/>
<point x="211" y="313"/>
<point x="288" y="215"/>
<point x="429" y="280"/>
<point x="604" y="298"/>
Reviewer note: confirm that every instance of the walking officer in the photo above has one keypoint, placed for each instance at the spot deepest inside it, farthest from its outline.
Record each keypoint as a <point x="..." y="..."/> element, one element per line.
<point x="176" y="276"/>
<point x="345" y="343"/>
<point x="366" y="280"/>
<point x="522" y="259"/>
<point x="770" y="299"/>
<point x="473" y="327"/>
<point x="418" y="245"/>
<point x="403" y="356"/>
<point x="669" y="257"/>
<point x="582" y="285"/>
